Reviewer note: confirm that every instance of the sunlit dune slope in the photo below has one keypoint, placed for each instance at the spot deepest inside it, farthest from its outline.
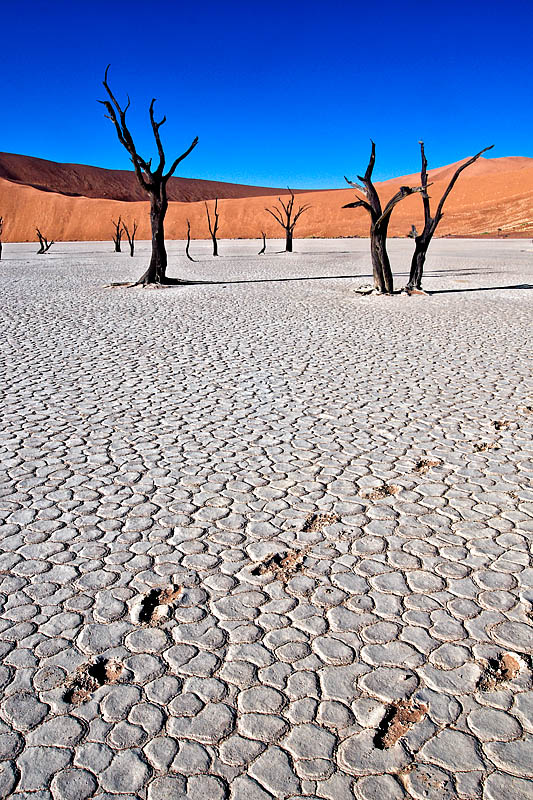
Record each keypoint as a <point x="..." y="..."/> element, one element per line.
<point x="492" y="197"/>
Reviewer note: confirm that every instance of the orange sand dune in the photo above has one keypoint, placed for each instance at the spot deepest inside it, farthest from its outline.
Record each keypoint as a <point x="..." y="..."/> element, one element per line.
<point x="492" y="197"/>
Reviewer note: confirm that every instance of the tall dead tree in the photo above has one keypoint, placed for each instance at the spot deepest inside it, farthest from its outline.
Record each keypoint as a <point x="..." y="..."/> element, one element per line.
<point x="287" y="217"/>
<point x="153" y="181"/>
<point x="44" y="244"/>
<point x="117" y="236"/>
<point x="263" y="249"/>
<point x="130" y="234"/>
<point x="187" y="246"/>
<point x="380" y="218"/>
<point x="1" y="231"/>
<point x="423" y="239"/>
<point x="213" y="226"/>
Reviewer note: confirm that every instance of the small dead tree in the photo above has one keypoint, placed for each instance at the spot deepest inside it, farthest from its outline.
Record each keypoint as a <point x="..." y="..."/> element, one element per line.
<point x="413" y="233"/>
<point x="423" y="239"/>
<point x="153" y="181"/>
<point x="117" y="236"/>
<point x="187" y="246"/>
<point x="213" y="226"/>
<point x="380" y="218"/>
<point x="44" y="244"/>
<point x="1" y="231"/>
<point x="287" y="217"/>
<point x="263" y="249"/>
<point x="130" y="234"/>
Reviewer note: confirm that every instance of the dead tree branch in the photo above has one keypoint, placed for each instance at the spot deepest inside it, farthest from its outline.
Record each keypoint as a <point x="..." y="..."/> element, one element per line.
<point x="263" y="249"/>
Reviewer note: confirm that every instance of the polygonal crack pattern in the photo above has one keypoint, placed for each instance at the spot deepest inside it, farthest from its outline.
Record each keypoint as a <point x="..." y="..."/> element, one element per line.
<point x="260" y="541"/>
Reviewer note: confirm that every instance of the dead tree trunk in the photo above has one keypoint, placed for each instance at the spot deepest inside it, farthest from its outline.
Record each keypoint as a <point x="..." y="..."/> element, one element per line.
<point x="153" y="181"/>
<point x="213" y="226"/>
<point x="44" y="244"/>
<point x="287" y="217"/>
<point x="117" y="237"/>
<point x="379" y="223"/>
<point x="423" y="239"/>
<point x="187" y="246"/>
<point x="263" y="249"/>
<point x="130" y="236"/>
<point x="1" y="231"/>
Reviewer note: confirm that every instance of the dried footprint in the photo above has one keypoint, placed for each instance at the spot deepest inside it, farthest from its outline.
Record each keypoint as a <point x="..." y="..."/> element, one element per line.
<point x="380" y="492"/>
<point x="89" y="677"/>
<point x="316" y="522"/>
<point x="501" y="424"/>
<point x="425" y="464"/>
<point x="482" y="447"/>
<point x="156" y="606"/>
<point x="281" y="566"/>
<point x="397" y="721"/>
<point x="498" y="670"/>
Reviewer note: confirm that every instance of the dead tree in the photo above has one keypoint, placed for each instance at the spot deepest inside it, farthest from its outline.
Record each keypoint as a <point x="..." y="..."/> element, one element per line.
<point x="263" y="249"/>
<point x="44" y="244"/>
<point x="130" y="235"/>
<point x="287" y="217"/>
<point x="153" y="181"/>
<point x="413" y="233"/>
<point x="213" y="226"/>
<point x="187" y="246"/>
<point x="118" y="234"/>
<point x="1" y="231"/>
<point x="423" y="240"/>
<point x="380" y="218"/>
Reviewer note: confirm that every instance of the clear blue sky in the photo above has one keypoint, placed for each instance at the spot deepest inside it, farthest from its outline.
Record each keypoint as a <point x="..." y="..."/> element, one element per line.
<point x="279" y="93"/>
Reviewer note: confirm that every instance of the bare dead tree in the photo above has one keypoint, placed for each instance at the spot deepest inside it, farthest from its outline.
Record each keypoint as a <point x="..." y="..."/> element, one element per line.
<point x="44" y="244"/>
<point x="423" y="240"/>
<point x="263" y="249"/>
<point x="117" y="236"/>
<point x="213" y="226"/>
<point x="153" y="181"/>
<point x="1" y="231"/>
<point x="130" y="234"/>
<point x="287" y="217"/>
<point x="413" y="233"/>
<point x="187" y="246"/>
<point x="380" y="218"/>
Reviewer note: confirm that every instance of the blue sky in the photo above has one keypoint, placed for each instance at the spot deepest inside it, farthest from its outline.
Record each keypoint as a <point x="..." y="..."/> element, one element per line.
<point x="279" y="93"/>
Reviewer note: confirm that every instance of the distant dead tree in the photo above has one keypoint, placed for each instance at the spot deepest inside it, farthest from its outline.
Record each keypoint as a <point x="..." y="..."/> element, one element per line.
<point x="187" y="246"/>
<point x="117" y="237"/>
<point x="423" y="240"/>
<point x="213" y="226"/>
<point x="287" y="217"/>
<point x="130" y="234"/>
<point x="44" y="244"/>
<point x="380" y="218"/>
<point x="413" y="233"/>
<point x="153" y="181"/>
<point x="1" y="231"/>
<point x="263" y="249"/>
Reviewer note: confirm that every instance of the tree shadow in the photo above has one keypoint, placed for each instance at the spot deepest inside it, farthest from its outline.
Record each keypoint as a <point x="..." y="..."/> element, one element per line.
<point x="481" y="289"/>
